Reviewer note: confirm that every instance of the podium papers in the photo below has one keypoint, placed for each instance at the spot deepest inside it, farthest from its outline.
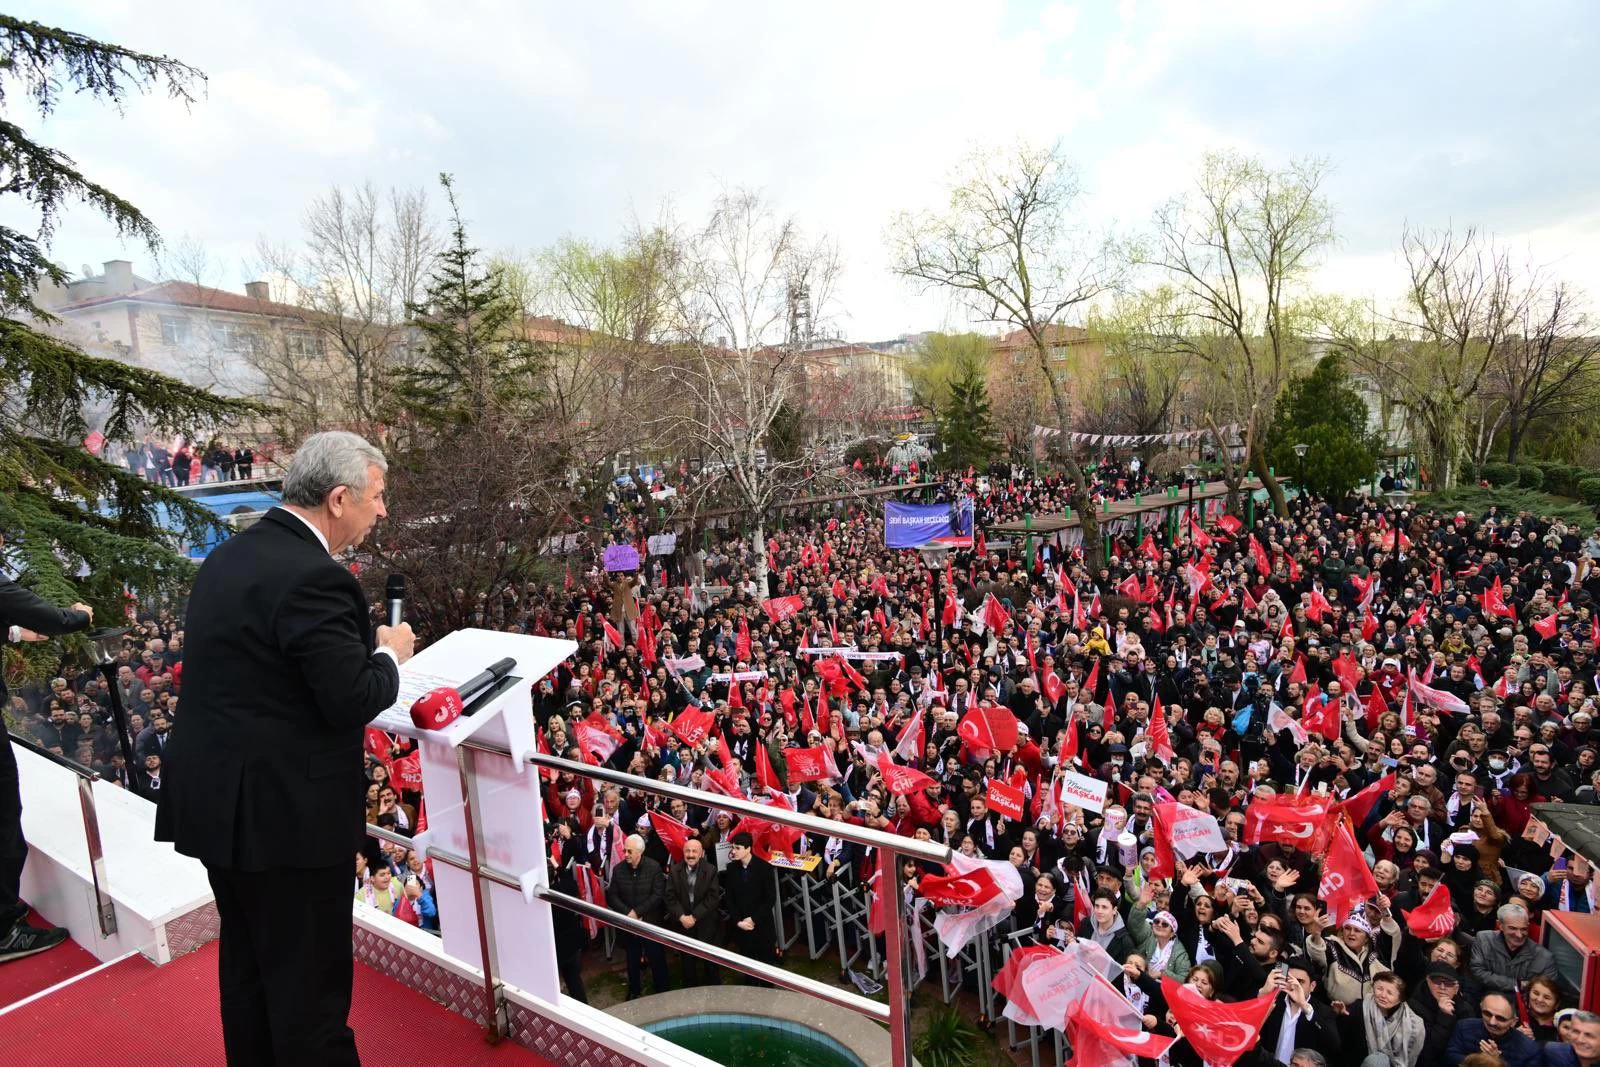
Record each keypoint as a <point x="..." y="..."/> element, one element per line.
<point x="507" y="802"/>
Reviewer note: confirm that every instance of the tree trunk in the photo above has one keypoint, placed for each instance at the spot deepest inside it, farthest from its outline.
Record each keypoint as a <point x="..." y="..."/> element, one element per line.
<point x="1258" y="460"/>
<point x="1515" y="429"/>
<point x="759" y="533"/>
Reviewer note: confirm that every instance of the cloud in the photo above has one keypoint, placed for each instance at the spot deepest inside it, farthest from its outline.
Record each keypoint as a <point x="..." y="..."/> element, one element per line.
<point x="571" y="120"/>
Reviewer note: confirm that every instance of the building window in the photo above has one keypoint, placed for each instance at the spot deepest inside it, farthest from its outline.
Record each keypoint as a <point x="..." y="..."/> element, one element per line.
<point x="230" y="336"/>
<point x="303" y="343"/>
<point x="174" y="330"/>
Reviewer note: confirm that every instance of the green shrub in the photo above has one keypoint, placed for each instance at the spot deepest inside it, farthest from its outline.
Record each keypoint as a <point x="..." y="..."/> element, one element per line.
<point x="1562" y="478"/>
<point x="1500" y="474"/>
<point x="1477" y="501"/>
<point x="1529" y="476"/>
<point x="948" y="1041"/>
<point x="1589" y="491"/>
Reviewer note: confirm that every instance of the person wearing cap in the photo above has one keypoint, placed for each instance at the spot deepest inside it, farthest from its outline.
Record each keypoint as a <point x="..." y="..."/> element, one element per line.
<point x="1351" y="960"/>
<point x="1438" y="1000"/>
<point x="1155" y="937"/>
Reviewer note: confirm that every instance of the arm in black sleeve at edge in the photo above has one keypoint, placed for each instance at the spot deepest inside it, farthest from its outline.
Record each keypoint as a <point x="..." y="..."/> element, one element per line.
<point x="20" y="606"/>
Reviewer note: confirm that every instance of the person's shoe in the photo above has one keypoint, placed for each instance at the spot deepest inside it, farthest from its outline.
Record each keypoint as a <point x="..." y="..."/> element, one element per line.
<point x="25" y="940"/>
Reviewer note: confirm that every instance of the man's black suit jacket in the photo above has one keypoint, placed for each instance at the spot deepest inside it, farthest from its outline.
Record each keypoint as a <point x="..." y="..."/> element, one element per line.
<point x="279" y="682"/>
<point x="25" y="608"/>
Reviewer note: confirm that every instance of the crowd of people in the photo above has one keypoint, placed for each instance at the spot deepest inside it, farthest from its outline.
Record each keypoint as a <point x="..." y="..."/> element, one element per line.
<point x="180" y="462"/>
<point x="1409" y="682"/>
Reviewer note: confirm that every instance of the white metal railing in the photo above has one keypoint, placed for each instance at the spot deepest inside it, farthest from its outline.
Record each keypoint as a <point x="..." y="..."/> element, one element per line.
<point x="889" y="848"/>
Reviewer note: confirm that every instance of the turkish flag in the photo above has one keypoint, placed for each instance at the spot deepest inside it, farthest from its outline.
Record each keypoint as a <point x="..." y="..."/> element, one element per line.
<point x="741" y="642"/>
<point x="913" y="739"/>
<point x="779" y="608"/>
<point x="1360" y="806"/>
<point x="691" y="725"/>
<point x="1298" y="672"/>
<point x="970" y="890"/>
<point x="988" y="729"/>
<point x="1434" y="918"/>
<point x="1318" y="606"/>
<point x="1053" y="687"/>
<point x="1436" y="584"/>
<point x="1219" y="1031"/>
<point x="1346" y="878"/>
<point x="612" y="634"/>
<point x="1348" y="670"/>
<point x="995" y="617"/>
<point x="1069" y="744"/>
<point x="1321" y="716"/>
<point x="901" y="780"/>
<point x="1117" y="1042"/>
<point x="1091" y="682"/>
<point x="952" y="610"/>
<point x="1287" y="819"/>
<point x="808" y="765"/>
<point x="1148" y="548"/>
<point x="1129" y="587"/>
<point x="672" y="833"/>
<point x="1369" y="626"/>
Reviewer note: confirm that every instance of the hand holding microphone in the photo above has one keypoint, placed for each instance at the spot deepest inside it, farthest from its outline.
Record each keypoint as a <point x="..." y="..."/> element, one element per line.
<point x="398" y="639"/>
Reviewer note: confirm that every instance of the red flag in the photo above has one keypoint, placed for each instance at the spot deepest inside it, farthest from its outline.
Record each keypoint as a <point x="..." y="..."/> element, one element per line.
<point x="808" y="765"/>
<point x="1129" y="587"/>
<point x="1346" y="878"/>
<point x="782" y="607"/>
<point x="1369" y="625"/>
<point x="592" y="890"/>
<point x="1318" y="606"/>
<point x="672" y="833"/>
<point x="1546" y="627"/>
<point x="1321" y="715"/>
<point x="951" y="611"/>
<point x="995" y="616"/>
<point x="378" y="743"/>
<point x="901" y="780"/>
<point x="1360" y="806"/>
<point x="741" y="644"/>
<point x="597" y="738"/>
<point x="1259" y="555"/>
<point x="1230" y="525"/>
<point x="1090" y="1030"/>
<point x="969" y="890"/>
<point x="1434" y="918"/>
<point x="1494" y="601"/>
<point x="407" y="771"/>
<point x="1219" y="1031"/>
<point x="1008" y="983"/>
<point x="1438" y="698"/>
<point x="1298" y="673"/>
<point x="1069" y="744"/>
<point x="612" y="634"/>
<point x="1053" y="687"/>
<point x="1091" y="681"/>
<point x="691" y="725"/>
<point x="1289" y="820"/>
<point x="987" y="729"/>
<point x="1376" y="706"/>
<point x="1160" y="739"/>
<point x="1418" y="617"/>
<point x="766" y="777"/>
<point x="1436" y="584"/>
<point x="912" y="740"/>
<point x="1148" y="548"/>
<point x="1348" y="671"/>
<point x="1009" y="800"/>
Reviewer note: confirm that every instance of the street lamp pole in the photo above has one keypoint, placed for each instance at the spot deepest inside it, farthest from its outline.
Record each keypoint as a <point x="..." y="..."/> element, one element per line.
<point x="1190" y="473"/>
<point x="1397" y="497"/>
<point x="1300" y="459"/>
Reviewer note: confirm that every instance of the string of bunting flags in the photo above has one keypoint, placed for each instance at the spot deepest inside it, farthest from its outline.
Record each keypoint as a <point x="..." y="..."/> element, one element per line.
<point x="1115" y="440"/>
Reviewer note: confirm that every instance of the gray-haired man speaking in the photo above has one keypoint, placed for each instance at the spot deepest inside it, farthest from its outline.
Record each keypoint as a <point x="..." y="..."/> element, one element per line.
<point x="263" y="776"/>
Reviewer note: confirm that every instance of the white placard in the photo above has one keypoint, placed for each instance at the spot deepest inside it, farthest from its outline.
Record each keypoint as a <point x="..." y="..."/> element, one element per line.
<point x="1082" y="791"/>
<point x="662" y="544"/>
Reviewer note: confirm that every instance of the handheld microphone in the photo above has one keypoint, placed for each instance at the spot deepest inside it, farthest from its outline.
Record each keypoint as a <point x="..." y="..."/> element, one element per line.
<point x="394" y="591"/>
<point x="438" y="708"/>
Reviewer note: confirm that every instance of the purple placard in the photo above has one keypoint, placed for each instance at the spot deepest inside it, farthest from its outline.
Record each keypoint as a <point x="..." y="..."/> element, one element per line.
<point x="621" y="558"/>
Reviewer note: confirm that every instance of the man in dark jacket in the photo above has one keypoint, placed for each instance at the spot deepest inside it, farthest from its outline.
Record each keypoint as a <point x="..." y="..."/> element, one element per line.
<point x="281" y="678"/>
<point x="638" y="890"/>
<point x="748" y="891"/>
<point x="1494" y="1032"/>
<point x="24" y="616"/>
<point x="1299" y="1018"/>
<point x="1439" y="1003"/>
<point x="694" y="907"/>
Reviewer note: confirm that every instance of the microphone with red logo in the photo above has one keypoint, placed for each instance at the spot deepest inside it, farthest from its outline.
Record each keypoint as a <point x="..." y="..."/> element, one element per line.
<point x="438" y="708"/>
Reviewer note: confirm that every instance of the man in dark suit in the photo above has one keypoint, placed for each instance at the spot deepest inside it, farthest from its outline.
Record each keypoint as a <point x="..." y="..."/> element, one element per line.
<point x="24" y="616"/>
<point x="263" y="778"/>
<point x="638" y="890"/>
<point x="694" y="907"/>
<point x="1298" y="1020"/>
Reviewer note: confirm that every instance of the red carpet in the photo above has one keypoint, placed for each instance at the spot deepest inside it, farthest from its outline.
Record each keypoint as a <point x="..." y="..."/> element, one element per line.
<point x="23" y="978"/>
<point x="137" y="1005"/>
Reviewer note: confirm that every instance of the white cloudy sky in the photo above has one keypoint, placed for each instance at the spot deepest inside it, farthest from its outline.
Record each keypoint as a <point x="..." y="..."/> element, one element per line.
<point x="570" y="118"/>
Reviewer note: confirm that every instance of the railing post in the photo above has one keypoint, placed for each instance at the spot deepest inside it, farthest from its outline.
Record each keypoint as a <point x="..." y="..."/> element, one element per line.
<point x="894" y="922"/>
<point x="474" y="825"/>
<point x="104" y="909"/>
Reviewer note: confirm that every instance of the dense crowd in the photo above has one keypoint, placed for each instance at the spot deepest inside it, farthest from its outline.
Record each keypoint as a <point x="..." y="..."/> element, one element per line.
<point x="1356" y="695"/>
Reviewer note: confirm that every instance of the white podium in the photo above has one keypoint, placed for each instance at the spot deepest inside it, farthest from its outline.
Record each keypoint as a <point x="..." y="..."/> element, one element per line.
<point x="505" y="806"/>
